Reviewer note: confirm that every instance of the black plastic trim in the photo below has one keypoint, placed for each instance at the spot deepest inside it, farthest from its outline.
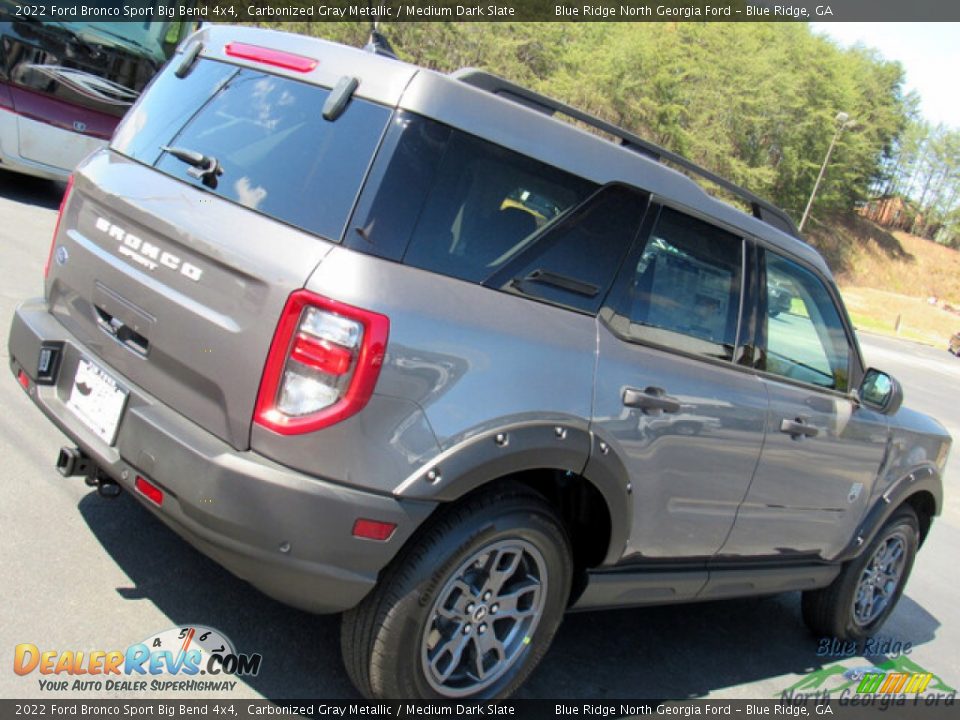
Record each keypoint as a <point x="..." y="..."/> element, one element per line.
<point x="924" y="478"/>
<point x="563" y="444"/>
<point x="633" y="588"/>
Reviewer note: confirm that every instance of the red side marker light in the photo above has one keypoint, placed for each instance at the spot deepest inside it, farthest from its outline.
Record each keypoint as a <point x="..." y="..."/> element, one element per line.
<point x="149" y="490"/>
<point x="266" y="56"/>
<point x="373" y="529"/>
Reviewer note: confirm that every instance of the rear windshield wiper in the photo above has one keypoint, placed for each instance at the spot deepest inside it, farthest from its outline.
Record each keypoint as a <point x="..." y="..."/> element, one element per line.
<point x="205" y="168"/>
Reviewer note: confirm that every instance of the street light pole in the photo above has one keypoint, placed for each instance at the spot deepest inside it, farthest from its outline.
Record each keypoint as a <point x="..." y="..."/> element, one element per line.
<point x="843" y="121"/>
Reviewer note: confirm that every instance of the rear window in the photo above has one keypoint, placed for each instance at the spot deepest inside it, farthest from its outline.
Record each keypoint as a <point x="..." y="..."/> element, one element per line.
<point x="279" y="156"/>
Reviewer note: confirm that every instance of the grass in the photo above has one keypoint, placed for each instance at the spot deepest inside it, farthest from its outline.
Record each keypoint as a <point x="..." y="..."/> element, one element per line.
<point x="881" y="311"/>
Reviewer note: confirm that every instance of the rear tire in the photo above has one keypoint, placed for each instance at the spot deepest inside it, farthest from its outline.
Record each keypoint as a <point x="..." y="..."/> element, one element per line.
<point x="469" y="608"/>
<point x="866" y="591"/>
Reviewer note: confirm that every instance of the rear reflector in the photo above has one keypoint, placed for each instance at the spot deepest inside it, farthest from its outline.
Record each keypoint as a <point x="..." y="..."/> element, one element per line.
<point x="56" y="228"/>
<point x="149" y="490"/>
<point x="266" y="56"/>
<point x="23" y="380"/>
<point x="373" y="529"/>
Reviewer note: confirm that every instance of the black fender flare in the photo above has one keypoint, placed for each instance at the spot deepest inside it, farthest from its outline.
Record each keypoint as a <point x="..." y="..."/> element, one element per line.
<point x="565" y="444"/>
<point x="923" y="478"/>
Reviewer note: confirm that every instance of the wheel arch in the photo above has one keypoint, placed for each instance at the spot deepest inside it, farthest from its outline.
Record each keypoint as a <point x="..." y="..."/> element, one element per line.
<point x="580" y="475"/>
<point x="921" y="489"/>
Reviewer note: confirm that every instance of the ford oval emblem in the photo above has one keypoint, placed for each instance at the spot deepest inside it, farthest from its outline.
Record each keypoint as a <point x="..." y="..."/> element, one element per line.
<point x="62" y="255"/>
<point x="79" y="126"/>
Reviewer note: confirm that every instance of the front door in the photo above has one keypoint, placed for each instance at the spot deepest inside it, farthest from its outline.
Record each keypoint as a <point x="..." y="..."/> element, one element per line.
<point x="823" y="450"/>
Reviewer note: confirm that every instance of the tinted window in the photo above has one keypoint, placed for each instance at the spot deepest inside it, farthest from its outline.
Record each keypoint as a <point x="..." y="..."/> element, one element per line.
<point x="279" y="156"/>
<point x="574" y="262"/>
<point x="805" y="338"/>
<point x="165" y="106"/>
<point x="484" y="203"/>
<point x="398" y="185"/>
<point x="683" y="287"/>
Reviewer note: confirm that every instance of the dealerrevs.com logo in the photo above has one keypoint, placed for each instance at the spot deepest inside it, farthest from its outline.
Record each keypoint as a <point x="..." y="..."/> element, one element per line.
<point x="173" y="660"/>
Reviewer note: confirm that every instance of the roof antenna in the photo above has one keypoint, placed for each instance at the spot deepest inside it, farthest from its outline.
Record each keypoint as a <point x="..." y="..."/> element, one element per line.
<point x="377" y="43"/>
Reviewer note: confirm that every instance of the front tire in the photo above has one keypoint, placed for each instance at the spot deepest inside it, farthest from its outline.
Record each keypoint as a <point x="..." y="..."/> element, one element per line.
<point x="469" y="608"/>
<point x="866" y="591"/>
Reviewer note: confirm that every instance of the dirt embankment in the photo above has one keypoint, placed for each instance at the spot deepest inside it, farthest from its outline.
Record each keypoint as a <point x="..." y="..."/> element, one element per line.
<point x="892" y="282"/>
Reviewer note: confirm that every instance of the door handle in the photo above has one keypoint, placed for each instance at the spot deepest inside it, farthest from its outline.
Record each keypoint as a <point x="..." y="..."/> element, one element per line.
<point x="798" y="428"/>
<point x="650" y="399"/>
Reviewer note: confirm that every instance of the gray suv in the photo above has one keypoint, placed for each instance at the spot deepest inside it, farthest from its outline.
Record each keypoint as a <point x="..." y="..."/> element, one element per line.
<point x="409" y="347"/>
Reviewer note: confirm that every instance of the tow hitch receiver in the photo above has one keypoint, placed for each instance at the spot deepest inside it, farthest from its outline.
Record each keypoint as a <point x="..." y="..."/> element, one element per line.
<point x="72" y="461"/>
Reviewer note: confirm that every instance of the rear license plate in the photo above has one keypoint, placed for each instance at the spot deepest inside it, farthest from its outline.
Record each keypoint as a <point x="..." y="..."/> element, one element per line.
<point x="97" y="400"/>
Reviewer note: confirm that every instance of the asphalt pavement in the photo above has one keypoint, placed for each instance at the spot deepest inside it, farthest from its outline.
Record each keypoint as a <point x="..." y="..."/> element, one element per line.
<point x="80" y="572"/>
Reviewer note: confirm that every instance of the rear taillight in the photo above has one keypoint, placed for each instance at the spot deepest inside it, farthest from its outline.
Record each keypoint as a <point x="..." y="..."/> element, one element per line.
<point x="56" y="228"/>
<point x="322" y="366"/>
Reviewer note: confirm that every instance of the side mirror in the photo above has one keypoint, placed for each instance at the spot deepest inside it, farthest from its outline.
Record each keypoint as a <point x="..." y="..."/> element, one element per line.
<point x="881" y="392"/>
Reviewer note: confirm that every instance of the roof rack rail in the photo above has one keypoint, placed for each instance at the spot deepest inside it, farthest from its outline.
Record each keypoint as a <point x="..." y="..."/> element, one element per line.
<point x="761" y="209"/>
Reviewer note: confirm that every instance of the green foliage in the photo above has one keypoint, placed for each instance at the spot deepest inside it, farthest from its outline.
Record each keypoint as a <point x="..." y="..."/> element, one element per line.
<point x="754" y="102"/>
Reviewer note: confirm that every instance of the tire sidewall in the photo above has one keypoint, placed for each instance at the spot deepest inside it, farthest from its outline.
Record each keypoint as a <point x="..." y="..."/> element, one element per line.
<point x="402" y="631"/>
<point x="905" y="520"/>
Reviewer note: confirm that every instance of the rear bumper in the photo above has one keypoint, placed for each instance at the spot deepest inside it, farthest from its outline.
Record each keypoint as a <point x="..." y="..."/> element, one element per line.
<point x="287" y="533"/>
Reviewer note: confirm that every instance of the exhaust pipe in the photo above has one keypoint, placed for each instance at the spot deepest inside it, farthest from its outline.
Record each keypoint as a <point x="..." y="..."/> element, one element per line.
<point x="73" y="461"/>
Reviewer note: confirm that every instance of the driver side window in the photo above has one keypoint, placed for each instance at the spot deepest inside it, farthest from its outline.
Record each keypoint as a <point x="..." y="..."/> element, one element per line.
<point x="805" y="339"/>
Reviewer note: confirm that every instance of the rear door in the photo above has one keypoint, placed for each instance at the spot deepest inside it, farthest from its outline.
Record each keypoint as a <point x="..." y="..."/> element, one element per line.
<point x="687" y="422"/>
<point x="823" y="450"/>
<point x="177" y="282"/>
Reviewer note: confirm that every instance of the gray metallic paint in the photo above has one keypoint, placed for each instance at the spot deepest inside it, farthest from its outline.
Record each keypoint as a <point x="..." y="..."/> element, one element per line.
<point x="235" y="506"/>
<point x="463" y="363"/>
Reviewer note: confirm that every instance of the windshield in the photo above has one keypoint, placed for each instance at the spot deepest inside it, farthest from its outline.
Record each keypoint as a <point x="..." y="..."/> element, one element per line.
<point x="134" y="30"/>
<point x="146" y="37"/>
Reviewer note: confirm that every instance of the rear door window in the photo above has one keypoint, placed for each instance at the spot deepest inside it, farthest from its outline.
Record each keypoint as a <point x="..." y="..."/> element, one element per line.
<point x="279" y="156"/>
<point x="682" y="288"/>
<point x="574" y="261"/>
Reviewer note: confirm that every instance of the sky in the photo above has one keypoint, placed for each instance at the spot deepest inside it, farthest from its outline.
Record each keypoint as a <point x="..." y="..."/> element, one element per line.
<point x="929" y="52"/>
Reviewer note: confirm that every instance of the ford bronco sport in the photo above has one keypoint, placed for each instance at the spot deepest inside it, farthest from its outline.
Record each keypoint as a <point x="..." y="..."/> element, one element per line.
<point x="403" y="345"/>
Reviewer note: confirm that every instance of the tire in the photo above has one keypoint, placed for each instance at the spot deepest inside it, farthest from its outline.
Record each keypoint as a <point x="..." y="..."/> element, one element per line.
<point x="841" y="610"/>
<point x="420" y="632"/>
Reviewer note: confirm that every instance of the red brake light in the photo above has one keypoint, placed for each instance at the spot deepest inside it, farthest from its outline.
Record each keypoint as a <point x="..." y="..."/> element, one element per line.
<point x="322" y="366"/>
<point x="373" y="529"/>
<point x="321" y="354"/>
<point x="56" y="228"/>
<point x="149" y="490"/>
<point x="277" y="58"/>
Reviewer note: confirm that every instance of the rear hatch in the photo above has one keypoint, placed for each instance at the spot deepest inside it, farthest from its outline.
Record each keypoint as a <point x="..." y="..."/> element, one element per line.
<point x="175" y="281"/>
